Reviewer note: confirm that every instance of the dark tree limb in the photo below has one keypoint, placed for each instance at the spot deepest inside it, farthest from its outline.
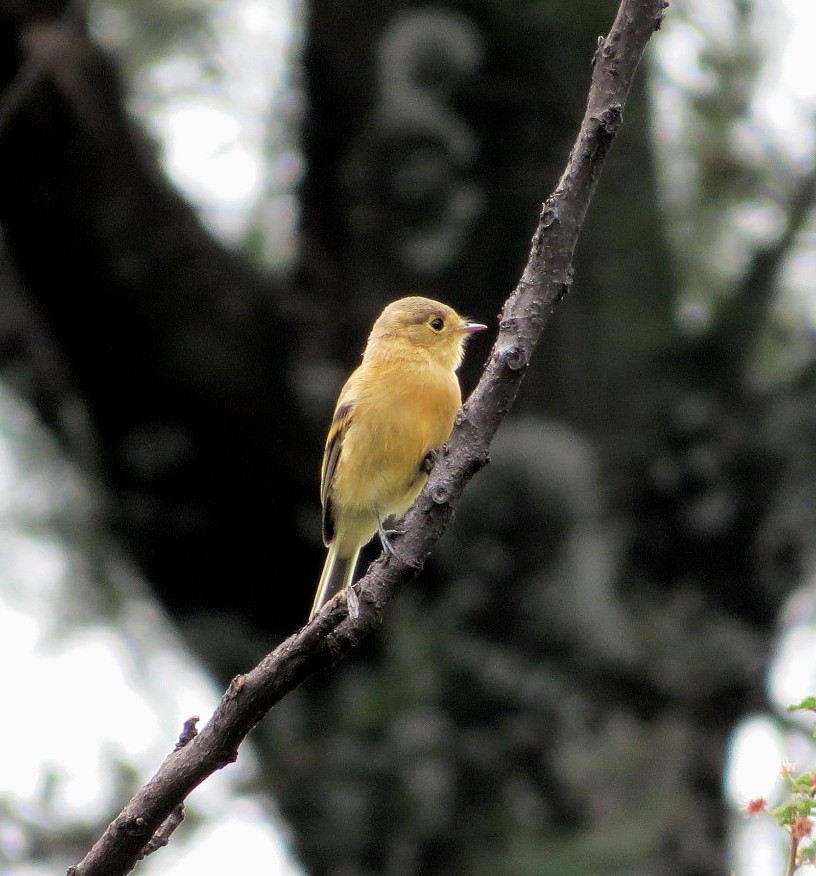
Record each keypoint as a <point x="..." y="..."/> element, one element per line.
<point x="329" y="637"/>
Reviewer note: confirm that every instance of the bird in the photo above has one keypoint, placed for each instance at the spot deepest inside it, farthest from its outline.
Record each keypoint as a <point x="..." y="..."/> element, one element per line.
<point x="392" y="415"/>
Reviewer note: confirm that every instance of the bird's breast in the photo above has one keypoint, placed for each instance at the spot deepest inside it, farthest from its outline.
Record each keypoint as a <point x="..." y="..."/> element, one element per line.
<point x="400" y="413"/>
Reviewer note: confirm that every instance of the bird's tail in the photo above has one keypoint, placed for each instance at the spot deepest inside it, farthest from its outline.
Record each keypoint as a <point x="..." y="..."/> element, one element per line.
<point x="337" y="572"/>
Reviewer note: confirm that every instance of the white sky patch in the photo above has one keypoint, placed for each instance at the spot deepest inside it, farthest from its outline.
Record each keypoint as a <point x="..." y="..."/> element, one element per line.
<point x="222" y="134"/>
<point x="759" y="847"/>
<point x="236" y="844"/>
<point x="754" y="761"/>
<point x="797" y="56"/>
<point x="793" y="671"/>
<point x="88" y="697"/>
<point x="206" y="154"/>
<point x="786" y="98"/>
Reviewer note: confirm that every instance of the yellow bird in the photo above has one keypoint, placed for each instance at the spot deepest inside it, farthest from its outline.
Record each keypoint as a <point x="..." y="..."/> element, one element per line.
<point x="393" y="413"/>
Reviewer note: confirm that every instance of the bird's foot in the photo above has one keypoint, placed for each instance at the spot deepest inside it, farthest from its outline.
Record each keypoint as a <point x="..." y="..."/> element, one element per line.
<point x="385" y="537"/>
<point x="429" y="461"/>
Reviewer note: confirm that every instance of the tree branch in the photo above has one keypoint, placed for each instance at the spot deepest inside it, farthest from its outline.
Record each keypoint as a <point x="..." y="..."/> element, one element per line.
<point x="330" y="636"/>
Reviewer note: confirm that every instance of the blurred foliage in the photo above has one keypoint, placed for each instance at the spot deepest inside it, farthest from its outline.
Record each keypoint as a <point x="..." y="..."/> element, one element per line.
<point x="144" y="34"/>
<point x="729" y="169"/>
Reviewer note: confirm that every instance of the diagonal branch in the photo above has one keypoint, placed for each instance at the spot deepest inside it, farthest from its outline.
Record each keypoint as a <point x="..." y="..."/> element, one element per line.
<point x="546" y="279"/>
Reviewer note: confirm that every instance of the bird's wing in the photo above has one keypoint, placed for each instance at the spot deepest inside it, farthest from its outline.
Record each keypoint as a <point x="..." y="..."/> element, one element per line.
<point x="334" y="443"/>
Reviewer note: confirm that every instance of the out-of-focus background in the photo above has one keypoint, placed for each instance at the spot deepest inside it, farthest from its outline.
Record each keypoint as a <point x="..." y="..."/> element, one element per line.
<point x="202" y="208"/>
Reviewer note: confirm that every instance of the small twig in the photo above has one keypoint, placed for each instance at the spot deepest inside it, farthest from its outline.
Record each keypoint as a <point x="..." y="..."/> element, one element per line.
<point x="188" y="732"/>
<point x="162" y="836"/>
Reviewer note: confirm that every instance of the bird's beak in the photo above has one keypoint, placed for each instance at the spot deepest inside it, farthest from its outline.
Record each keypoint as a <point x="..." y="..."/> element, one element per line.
<point x="470" y="327"/>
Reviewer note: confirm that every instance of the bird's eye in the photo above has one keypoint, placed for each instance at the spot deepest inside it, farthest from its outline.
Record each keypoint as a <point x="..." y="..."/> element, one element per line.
<point x="437" y="324"/>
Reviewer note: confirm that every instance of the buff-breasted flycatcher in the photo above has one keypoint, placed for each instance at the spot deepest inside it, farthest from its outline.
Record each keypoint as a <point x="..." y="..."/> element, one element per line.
<point x="395" y="410"/>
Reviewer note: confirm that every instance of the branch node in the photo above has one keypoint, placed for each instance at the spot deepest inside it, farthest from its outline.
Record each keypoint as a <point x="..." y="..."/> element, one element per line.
<point x="610" y="119"/>
<point x="439" y="495"/>
<point x="601" y="41"/>
<point x="132" y="826"/>
<point x="461" y="416"/>
<point x="162" y="836"/>
<point x="565" y="286"/>
<point x="514" y="358"/>
<point x="188" y="732"/>
<point x="235" y="687"/>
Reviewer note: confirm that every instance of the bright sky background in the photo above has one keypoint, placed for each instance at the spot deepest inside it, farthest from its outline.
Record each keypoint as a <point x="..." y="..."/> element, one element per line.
<point x="216" y="142"/>
<point x="214" y="150"/>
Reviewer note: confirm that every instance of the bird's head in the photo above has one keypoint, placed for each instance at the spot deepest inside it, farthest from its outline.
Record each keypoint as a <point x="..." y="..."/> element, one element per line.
<point x="422" y="324"/>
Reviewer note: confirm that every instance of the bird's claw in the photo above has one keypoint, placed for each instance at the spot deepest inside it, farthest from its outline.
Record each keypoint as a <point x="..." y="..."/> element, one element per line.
<point x="385" y="537"/>
<point x="429" y="460"/>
